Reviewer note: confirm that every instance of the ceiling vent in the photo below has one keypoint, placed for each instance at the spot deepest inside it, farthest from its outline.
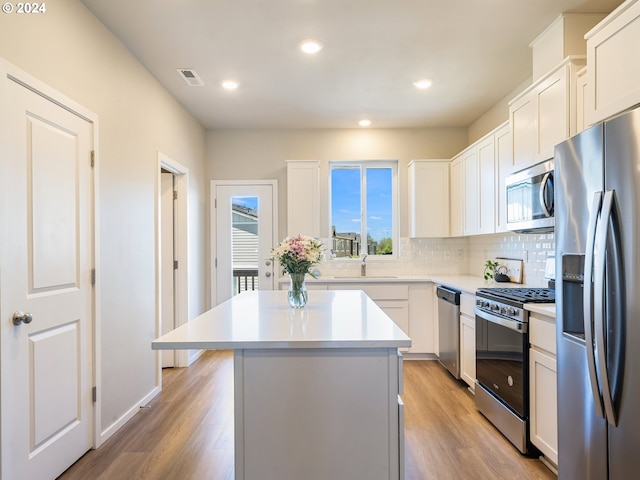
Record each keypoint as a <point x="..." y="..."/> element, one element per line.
<point x="191" y="77"/>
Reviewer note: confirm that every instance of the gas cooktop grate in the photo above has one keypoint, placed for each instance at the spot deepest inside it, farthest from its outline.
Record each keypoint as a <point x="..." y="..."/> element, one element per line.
<point x="525" y="295"/>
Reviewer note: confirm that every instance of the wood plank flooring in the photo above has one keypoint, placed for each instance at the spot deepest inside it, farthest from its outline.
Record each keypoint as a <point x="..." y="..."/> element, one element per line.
<point x="186" y="433"/>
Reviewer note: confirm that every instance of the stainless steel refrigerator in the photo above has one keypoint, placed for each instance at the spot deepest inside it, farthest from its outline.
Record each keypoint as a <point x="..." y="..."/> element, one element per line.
<point x="597" y="178"/>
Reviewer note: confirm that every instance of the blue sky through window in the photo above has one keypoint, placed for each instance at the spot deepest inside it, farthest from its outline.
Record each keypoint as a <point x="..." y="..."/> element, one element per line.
<point x="247" y="202"/>
<point x="346" y="201"/>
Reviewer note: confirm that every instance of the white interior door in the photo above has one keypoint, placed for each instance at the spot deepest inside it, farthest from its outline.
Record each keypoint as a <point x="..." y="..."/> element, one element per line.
<point x="167" y="232"/>
<point x="46" y="356"/>
<point x="244" y="224"/>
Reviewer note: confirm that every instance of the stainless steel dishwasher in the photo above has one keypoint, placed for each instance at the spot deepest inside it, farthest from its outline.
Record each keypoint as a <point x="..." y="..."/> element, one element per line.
<point x="449" y="329"/>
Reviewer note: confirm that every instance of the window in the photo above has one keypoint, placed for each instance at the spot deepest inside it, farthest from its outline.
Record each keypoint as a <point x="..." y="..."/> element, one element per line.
<point x="363" y="206"/>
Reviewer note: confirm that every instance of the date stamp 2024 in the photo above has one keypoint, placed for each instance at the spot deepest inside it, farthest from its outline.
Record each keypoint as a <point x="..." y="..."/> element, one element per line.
<point x="21" y="8"/>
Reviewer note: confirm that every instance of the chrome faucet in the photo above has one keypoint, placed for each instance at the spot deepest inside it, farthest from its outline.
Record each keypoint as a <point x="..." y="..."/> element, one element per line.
<point x="363" y="265"/>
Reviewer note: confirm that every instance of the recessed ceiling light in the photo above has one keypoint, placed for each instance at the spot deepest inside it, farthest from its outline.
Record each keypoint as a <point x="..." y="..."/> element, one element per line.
<point x="423" y="83"/>
<point x="364" y="123"/>
<point x="310" y="46"/>
<point x="230" y="84"/>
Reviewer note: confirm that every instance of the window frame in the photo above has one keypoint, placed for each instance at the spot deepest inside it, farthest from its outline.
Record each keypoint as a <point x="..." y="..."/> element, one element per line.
<point x="363" y="165"/>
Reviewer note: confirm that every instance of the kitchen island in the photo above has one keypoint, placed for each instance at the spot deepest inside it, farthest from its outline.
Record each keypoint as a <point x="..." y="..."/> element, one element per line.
<point x="316" y="390"/>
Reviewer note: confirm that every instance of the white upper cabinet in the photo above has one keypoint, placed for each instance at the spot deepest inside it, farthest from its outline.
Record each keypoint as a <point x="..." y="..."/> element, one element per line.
<point x="471" y="217"/>
<point x="486" y="185"/>
<point x="303" y="197"/>
<point x="457" y="197"/>
<point x="581" y="98"/>
<point x="477" y="181"/>
<point x="613" y="78"/>
<point x="429" y="198"/>
<point x="544" y="114"/>
<point x="504" y="167"/>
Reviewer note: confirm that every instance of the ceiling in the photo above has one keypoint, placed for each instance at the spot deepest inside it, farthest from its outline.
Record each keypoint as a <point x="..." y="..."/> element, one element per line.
<point x="475" y="51"/>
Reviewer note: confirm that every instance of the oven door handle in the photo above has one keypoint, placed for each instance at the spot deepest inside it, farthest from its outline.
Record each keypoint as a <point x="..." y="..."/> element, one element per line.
<point x="511" y="324"/>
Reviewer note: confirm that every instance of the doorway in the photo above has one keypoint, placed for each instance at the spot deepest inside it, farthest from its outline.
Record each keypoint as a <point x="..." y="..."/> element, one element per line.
<point x="244" y="225"/>
<point x="172" y="256"/>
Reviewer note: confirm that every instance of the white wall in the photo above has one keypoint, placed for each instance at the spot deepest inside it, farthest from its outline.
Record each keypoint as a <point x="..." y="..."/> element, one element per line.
<point x="496" y="115"/>
<point x="69" y="49"/>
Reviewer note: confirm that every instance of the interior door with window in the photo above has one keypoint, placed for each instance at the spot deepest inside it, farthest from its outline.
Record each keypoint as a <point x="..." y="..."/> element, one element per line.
<point x="244" y="224"/>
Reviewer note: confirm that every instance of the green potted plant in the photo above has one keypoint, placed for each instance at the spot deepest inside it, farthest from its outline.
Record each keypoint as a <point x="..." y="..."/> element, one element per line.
<point x="489" y="268"/>
<point x="496" y="271"/>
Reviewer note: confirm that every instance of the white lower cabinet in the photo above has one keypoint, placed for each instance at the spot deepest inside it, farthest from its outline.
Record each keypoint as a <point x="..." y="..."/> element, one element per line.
<point x="410" y="305"/>
<point x="543" y="386"/>
<point x="468" y="340"/>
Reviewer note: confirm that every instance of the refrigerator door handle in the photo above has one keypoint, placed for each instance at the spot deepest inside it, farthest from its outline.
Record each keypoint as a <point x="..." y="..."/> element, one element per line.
<point x="588" y="303"/>
<point x="599" y="304"/>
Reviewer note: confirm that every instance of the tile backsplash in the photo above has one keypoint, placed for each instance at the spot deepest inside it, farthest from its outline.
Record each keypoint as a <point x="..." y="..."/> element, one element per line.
<point x="455" y="256"/>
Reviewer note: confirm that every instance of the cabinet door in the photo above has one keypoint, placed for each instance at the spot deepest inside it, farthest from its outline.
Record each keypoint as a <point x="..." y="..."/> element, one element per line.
<point x="544" y="408"/>
<point x="522" y="115"/>
<point x="504" y="167"/>
<point x="487" y="185"/>
<point x="471" y="192"/>
<point x="614" y="64"/>
<point x="457" y="198"/>
<point x="303" y="198"/>
<point x="468" y="350"/>
<point x="398" y="311"/>
<point x="553" y="113"/>
<point x="429" y="198"/>
<point x="581" y="98"/>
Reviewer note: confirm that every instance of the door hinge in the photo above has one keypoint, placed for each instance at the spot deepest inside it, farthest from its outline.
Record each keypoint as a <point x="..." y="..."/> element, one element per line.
<point x="215" y="203"/>
<point x="93" y="157"/>
<point x="215" y="263"/>
<point x="94" y="394"/>
<point x="93" y="276"/>
<point x="175" y="264"/>
<point x="175" y="194"/>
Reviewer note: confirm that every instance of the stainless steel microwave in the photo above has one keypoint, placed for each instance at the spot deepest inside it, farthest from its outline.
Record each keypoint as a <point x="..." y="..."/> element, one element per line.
<point x="530" y="199"/>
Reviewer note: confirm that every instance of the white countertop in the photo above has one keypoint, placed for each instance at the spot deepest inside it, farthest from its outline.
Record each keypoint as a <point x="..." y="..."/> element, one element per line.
<point x="546" y="309"/>
<point x="263" y="319"/>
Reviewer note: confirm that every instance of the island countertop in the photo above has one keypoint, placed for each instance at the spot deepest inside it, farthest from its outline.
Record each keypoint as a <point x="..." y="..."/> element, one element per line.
<point x="263" y="319"/>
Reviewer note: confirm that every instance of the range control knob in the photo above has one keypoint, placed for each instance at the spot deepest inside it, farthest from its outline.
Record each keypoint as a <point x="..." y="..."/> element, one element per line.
<point x="513" y="312"/>
<point x="503" y="310"/>
<point x="494" y="307"/>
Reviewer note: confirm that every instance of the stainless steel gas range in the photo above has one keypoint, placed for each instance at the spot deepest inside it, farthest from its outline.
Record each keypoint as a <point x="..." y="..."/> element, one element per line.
<point x="502" y="359"/>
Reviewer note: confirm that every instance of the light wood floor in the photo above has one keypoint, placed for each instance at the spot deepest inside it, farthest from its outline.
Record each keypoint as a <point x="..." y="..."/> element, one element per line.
<point x="186" y="433"/>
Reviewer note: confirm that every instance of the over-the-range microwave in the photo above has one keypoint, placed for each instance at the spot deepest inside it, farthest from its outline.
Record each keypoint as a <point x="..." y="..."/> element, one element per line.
<point x="530" y="199"/>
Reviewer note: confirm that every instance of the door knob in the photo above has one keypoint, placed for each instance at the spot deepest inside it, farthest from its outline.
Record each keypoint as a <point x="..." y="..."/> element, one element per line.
<point x="267" y="274"/>
<point x="21" y="317"/>
<point x="268" y="263"/>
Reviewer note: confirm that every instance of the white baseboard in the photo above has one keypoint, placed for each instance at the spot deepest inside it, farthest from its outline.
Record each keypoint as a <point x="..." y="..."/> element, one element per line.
<point x="128" y="415"/>
<point x="193" y="356"/>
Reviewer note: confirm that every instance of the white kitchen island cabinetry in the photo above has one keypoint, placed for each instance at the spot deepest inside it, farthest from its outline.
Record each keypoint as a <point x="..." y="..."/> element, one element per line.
<point x="544" y="114"/>
<point x="429" y="198"/>
<point x="316" y="390"/>
<point x="543" y="388"/>
<point x="613" y="78"/>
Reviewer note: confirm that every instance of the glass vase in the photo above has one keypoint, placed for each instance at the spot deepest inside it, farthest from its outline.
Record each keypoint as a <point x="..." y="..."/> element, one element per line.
<point x="297" y="296"/>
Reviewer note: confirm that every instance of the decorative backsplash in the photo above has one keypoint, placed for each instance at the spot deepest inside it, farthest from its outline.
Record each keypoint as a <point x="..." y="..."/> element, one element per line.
<point x="455" y="256"/>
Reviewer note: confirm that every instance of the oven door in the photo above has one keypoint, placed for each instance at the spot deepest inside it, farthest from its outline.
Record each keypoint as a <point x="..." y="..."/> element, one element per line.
<point x="502" y="360"/>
